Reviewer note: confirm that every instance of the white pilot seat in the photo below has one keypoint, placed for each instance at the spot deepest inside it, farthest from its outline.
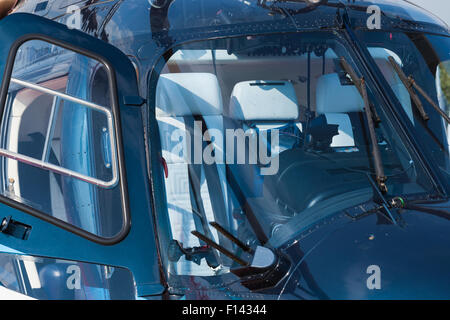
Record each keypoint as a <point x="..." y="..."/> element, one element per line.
<point x="264" y="106"/>
<point x="335" y="101"/>
<point x="179" y="97"/>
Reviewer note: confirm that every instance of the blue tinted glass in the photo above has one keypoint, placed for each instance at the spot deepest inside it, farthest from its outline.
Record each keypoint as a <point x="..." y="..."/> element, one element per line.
<point x="23" y="277"/>
<point x="426" y="59"/>
<point x="265" y="136"/>
<point x="58" y="142"/>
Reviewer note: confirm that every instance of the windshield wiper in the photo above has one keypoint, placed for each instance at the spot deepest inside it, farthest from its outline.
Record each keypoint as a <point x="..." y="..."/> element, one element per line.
<point x="360" y="84"/>
<point x="219" y="248"/>
<point x="410" y="84"/>
<point x="228" y="235"/>
<point x="266" y="269"/>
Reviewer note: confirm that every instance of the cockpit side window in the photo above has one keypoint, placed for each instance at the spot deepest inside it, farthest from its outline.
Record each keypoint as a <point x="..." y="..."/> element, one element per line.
<point x="443" y="89"/>
<point x="424" y="60"/>
<point x="58" y="143"/>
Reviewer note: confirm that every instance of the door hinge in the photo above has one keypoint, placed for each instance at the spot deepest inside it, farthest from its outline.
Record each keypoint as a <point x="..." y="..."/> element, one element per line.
<point x="15" y="228"/>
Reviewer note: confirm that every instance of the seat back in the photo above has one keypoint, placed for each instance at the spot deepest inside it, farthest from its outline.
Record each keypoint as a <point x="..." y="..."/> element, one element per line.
<point x="267" y="105"/>
<point x="337" y="102"/>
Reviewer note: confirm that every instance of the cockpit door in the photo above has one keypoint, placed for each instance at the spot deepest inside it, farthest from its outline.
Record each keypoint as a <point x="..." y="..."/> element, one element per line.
<point x="74" y="191"/>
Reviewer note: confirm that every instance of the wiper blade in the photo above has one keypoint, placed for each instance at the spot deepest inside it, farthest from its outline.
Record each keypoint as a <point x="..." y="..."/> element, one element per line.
<point x="228" y="235"/>
<point x="360" y="83"/>
<point x="410" y="84"/>
<point x="357" y="81"/>
<point x="219" y="248"/>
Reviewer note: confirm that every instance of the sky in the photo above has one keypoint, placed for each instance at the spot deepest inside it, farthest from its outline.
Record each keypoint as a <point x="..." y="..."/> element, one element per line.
<point x="441" y="8"/>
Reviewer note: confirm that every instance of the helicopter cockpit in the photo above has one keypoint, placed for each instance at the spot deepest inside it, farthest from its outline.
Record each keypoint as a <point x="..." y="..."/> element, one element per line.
<point x="193" y="148"/>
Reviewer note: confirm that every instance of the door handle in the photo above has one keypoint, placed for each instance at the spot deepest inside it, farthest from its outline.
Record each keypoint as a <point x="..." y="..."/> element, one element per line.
<point x="15" y="228"/>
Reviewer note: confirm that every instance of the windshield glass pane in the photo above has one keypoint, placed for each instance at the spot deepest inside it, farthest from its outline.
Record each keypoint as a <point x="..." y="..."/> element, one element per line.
<point x="426" y="60"/>
<point x="264" y="136"/>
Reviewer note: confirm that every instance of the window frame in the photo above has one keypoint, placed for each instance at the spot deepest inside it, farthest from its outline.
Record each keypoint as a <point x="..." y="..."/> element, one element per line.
<point x="58" y="169"/>
<point x="117" y="138"/>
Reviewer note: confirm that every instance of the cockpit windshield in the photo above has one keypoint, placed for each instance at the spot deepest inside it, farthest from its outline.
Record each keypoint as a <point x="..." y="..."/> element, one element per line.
<point x="263" y="136"/>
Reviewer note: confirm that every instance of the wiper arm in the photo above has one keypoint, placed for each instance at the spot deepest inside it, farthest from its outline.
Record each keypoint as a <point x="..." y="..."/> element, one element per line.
<point x="380" y="198"/>
<point x="411" y="84"/>
<point x="400" y="203"/>
<point x="360" y="84"/>
<point x="196" y="254"/>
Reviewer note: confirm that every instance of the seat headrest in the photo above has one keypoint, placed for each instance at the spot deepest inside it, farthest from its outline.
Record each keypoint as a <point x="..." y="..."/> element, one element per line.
<point x="264" y="100"/>
<point x="333" y="97"/>
<point x="184" y="94"/>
